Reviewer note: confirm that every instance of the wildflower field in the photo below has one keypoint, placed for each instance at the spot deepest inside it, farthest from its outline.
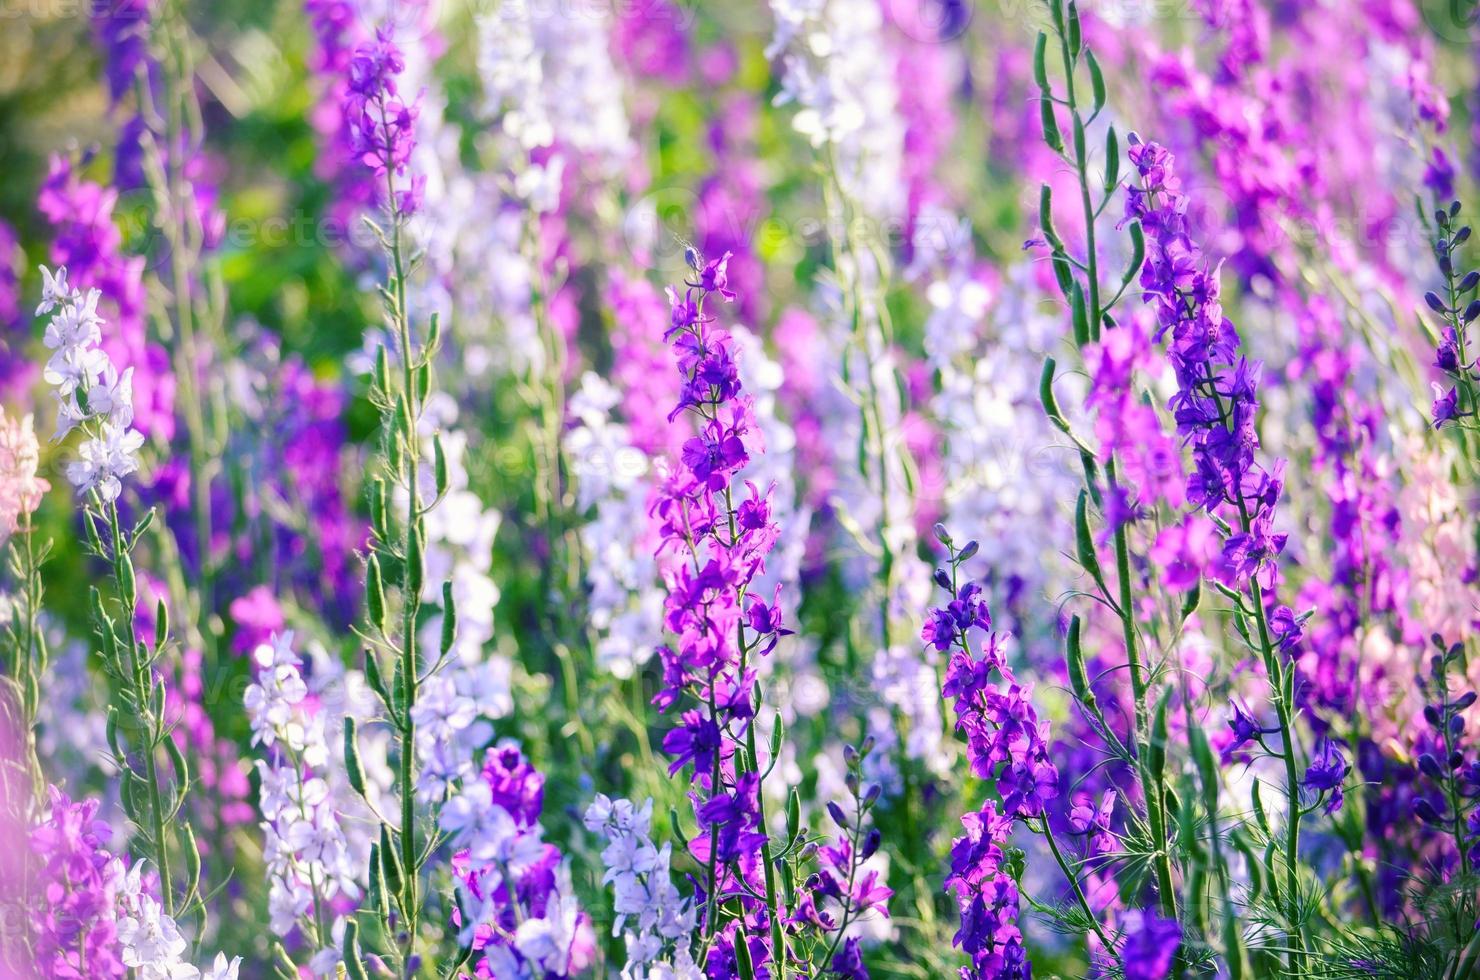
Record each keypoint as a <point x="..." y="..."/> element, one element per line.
<point x="739" y="489"/>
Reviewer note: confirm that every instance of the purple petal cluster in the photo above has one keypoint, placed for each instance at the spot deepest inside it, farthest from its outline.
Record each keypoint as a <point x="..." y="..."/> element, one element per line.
<point x="381" y="122"/>
<point x="74" y="923"/>
<point x="988" y="899"/>
<point x="713" y="547"/>
<point x="1217" y="401"/>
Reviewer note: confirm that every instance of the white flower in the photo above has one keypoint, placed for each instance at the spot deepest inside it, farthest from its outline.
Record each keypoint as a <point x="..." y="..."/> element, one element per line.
<point x="74" y="368"/>
<point x="113" y="396"/>
<point x="223" y="969"/>
<point x="54" y="289"/>
<point x="152" y="943"/>
<point x="546" y="942"/>
<point x="105" y="460"/>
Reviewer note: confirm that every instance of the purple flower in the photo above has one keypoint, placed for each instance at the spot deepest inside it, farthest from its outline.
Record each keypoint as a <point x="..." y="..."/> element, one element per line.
<point x="381" y="123"/>
<point x="1326" y="773"/>
<point x="987" y="898"/>
<point x="847" y="962"/>
<point x="1446" y="405"/>
<point x="1150" y="945"/>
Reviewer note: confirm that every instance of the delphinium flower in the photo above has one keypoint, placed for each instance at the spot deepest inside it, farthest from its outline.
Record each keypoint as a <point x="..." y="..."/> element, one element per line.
<point x="1007" y="746"/>
<point x="95" y="916"/>
<point x="1461" y="402"/>
<point x="844" y="896"/>
<point x="95" y="397"/>
<point x="151" y="944"/>
<point x="76" y="880"/>
<point x="516" y="908"/>
<point x="1149" y="947"/>
<point x="713" y="548"/>
<point x="656" y="921"/>
<point x="91" y="392"/>
<point x="315" y="843"/>
<point x="613" y="483"/>
<point x="337" y="31"/>
<point x="1216" y="407"/>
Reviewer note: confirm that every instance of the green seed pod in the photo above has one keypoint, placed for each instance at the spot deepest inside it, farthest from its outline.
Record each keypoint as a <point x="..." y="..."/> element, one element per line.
<point x="110" y="730"/>
<point x="141" y="526"/>
<point x="1062" y="273"/>
<point x="449" y="618"/>
<point x="1096" y="81"/>
<point x="375" y="593"/>
<point x="94" y="536"/>
<point x="352" y="765"/>
<point x="1084" y="542"/>
<point x="1045" y="218"/>
<point x="127" y="584"/>
<point x="414" y="568"/>
<point x="742" y="958"/>
<point x="793" y="815"/>
<point x="1259" y="814"/>
<point x="423" y="378"/>
<point x="376" y="890"/>
<point x="177" y="761"/>
<point x="1079" y="311"/>
<point x="379" y="518"/>
<point x="1076" y="35"/>
<point x="354" y="965"/>
<point x="1050" y="123"/>
<point x="1138" y="253"/>
<point x="1191" y="601"/>
<point x="161" y="624"/>
<point x="192" y="862"/>
<point x="1045" y="392"/>
<point x="1078" y="676"/>
<point x="373" y="678"/>
<point x="1207" y="768"/>
<point x="1157" y="756"/>
<point x="1112" y="148"/>
<point x="390" y="862"/>
<point x="383" y="369"/>
<point x="1233" y="943"/>
<point x="1040" y="64"/>
<point x="439" y="464"/>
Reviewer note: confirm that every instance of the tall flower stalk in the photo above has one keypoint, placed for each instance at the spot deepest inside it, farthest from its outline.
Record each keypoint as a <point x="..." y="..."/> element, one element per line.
<point x="382" y="121"/>
<point x="1216" y="408"/>
<point x="1079" y="278"/>
<point x="94" y="397"/>
<point x="713" y="547"/>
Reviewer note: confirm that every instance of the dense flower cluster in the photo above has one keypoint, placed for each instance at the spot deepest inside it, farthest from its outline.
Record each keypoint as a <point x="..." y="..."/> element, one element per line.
<point x="517" y="909"/>
<point x="91" y="392"/>
<point x="315" y="851"/>
<point x="1217" y="401"/>
<point x="654" y="919"/>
